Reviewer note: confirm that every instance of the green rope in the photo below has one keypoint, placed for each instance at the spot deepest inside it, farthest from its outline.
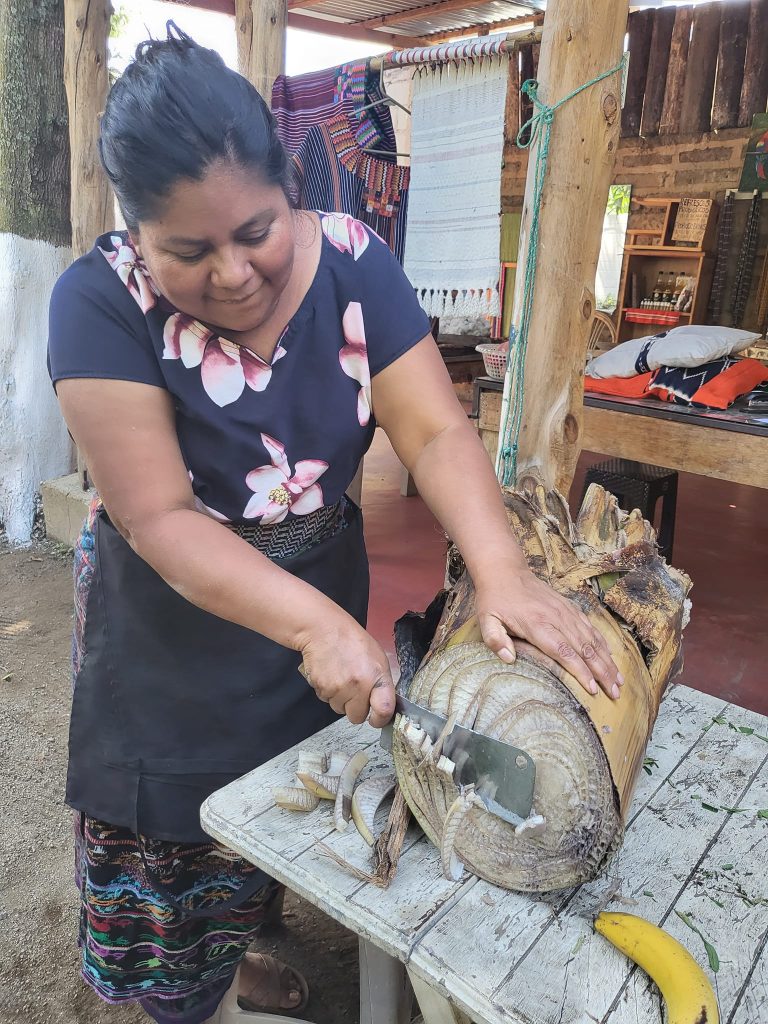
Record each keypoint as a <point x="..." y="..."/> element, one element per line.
<point x="541" y="121"/>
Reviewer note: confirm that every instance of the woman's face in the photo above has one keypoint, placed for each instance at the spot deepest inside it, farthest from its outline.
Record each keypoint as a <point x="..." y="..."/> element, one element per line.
<point x="221" y="249"/>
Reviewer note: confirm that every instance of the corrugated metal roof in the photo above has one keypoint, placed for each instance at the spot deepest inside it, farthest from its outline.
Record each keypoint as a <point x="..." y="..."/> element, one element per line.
<point x="436" y="18"/>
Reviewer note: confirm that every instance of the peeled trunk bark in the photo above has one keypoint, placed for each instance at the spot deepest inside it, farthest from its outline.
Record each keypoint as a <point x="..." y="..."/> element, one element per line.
<point x="588" y="750"/>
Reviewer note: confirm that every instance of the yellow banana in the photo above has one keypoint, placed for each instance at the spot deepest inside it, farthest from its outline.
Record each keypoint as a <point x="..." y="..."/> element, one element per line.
<point x="686" y="989"/>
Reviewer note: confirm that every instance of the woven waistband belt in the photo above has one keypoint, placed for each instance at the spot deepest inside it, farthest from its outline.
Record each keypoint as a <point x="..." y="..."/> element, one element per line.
<point x="294" y="535"/>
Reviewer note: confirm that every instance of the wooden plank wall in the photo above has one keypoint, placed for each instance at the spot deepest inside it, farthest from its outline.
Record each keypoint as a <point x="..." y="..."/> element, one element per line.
<point x="691" y="69"/>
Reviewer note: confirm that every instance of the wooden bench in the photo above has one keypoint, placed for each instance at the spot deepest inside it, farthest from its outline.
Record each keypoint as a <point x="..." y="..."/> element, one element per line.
<point x="729" y="445"/>
<point x="694" y="844"/>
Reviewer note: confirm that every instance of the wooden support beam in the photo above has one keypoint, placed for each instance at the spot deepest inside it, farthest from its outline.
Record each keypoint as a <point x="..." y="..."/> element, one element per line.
<point x="581" y="39"/>
<point x="640" y="35"/>
<point x="678" y="61"/>
<point x="696" y="114"/>
<point x="425" y="11"/>
<point x="734" y="28"/>
<point x="86" y="31"/>
<point x="656" y="78"/>
<point x="86" y="79"/>
<point x="754" y="91"/>
<point x="260" y="27"/>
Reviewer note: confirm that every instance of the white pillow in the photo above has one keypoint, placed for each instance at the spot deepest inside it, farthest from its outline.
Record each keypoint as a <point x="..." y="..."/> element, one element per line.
<point x="687" y="346"/>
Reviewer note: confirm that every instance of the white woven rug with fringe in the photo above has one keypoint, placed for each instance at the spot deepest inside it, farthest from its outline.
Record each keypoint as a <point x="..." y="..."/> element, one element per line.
<point x="454" y="202"/>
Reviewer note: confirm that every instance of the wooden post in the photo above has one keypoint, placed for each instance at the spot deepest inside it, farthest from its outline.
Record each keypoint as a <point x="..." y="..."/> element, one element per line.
<point x="734" y="26"/>
<point x="86" y="32"/>
<point x="656" y="79"/>
<point x="755" y="88"/>
<point x="260" y="26"/>
<point x="92" y="211"/>
<point x="696" y="115"/>
<point x="582" y="39"/>
<point x="678" y="60"/>
<point x="640" y="34"/>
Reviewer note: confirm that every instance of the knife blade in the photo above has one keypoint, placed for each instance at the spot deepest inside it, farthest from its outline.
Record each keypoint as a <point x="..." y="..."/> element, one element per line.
<point x="504" y="776"/>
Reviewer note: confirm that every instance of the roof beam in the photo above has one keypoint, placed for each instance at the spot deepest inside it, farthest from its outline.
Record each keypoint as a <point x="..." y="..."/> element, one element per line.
<point x="218" y="6"/>
<point x="436" y="9"/>
<point x="471" y="30"/>
<point x="348" y="31"/>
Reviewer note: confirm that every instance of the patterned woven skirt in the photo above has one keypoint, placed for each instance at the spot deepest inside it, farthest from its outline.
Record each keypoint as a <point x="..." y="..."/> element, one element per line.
<point x="136" y="947"/>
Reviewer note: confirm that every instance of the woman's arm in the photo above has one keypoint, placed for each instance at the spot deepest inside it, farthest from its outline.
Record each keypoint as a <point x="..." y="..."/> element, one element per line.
<point x="127" y="434"/>
<point x="414" y="401"/>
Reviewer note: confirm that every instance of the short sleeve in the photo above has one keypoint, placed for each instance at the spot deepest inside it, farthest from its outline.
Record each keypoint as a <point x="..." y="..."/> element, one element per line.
<point x="97" y="329"/>
<point x="394" y="320"/>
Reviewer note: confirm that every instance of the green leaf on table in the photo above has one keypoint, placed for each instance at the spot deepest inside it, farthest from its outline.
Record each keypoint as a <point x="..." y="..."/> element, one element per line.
<point x="733" y="810"/>
<point x="709" y="807"/>
<point x="714" y="959"/>
<point x="745" y="730"/>
<point x="727" y="867"/>
<point x="763" y="813"/>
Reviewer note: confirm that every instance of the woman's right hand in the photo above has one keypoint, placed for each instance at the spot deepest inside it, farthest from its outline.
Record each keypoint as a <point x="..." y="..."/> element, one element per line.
<point x="349" y="670"/>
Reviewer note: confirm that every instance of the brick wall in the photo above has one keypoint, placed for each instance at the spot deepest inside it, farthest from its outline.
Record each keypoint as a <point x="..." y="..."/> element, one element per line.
<point x="692" y="165"/>
<point x="701" y="166"/>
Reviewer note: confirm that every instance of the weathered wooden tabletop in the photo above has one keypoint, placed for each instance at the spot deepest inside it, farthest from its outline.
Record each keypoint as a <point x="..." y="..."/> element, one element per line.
<point x="694" y="844"/>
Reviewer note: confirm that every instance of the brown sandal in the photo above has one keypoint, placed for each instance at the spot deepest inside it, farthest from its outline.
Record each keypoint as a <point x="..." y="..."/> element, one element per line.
<point x="277" y="981"/>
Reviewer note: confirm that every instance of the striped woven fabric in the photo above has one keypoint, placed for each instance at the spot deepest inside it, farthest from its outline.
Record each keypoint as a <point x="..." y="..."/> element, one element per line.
<point x="305" y="101"/>
<point x="745" y="267"/>
<point x="339" y="176"/>
<point x="721" y="264"/>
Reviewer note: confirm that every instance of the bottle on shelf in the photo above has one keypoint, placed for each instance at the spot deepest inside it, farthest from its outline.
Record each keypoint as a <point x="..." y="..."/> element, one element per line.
<point x="657" y="297"/>
<point x="679" y="285"/>
<point x="669" y="290"/>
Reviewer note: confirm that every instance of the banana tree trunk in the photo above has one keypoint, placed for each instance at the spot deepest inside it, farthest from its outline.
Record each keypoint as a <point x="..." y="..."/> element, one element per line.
<point x="588" y="750"/>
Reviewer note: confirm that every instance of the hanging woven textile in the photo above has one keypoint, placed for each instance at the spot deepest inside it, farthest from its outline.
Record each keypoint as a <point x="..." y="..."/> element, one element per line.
<point x="762" y="299"/>
<point x="454" y="205"/>
<point x="721" y="263"/>
<point x="302" y="102"/>
<point x="338" y="176"/>
<point x="744" y="269"/>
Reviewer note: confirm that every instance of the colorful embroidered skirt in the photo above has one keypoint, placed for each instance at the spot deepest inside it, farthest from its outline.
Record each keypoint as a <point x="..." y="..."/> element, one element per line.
<point x="135" y="946"/>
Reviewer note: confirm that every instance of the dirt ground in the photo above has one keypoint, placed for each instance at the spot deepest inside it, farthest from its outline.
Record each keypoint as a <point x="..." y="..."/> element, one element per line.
<point x="39" y="978"/>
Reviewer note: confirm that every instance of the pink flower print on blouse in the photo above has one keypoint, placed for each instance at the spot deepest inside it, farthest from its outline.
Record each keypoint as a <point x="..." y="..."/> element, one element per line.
<point x="278" y="491"/>
<point x="345" y="233"/>
<point x="225" y="368"/>
<point x="354" y="359"/>
<point x="125" y="262"/>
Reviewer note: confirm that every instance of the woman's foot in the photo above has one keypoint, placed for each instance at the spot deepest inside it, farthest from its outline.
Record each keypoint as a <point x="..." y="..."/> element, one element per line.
<point x="269" y="986"/>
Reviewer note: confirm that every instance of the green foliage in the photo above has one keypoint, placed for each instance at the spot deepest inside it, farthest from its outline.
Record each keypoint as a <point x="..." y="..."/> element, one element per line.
<point x="618" y="199"/>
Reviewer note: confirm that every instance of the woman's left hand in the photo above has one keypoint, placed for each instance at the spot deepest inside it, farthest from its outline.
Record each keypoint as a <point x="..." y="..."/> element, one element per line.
<point x="523" y="606"/>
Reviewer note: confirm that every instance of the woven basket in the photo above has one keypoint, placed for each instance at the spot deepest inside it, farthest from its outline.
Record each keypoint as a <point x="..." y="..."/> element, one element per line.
<point x="494" y="358"/>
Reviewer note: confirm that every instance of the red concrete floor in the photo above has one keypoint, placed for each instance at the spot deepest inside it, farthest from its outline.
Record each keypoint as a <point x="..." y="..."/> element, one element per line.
<point x="721" y="541"/>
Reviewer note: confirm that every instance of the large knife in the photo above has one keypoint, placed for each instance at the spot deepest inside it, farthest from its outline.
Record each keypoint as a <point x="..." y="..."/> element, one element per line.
<point x="504" y="776"/>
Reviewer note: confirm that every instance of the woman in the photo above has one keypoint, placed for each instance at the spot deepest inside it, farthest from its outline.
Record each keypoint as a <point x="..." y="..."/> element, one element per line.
<point x="222" y="366"/>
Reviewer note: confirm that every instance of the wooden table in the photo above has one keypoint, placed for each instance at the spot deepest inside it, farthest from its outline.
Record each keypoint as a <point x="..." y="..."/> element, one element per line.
<point x="507" y="958"/>
<point x="729" y="445"/>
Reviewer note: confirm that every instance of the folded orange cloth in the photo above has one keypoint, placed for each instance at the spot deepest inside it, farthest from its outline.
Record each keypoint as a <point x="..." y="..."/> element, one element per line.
<point x="622" y="387"/>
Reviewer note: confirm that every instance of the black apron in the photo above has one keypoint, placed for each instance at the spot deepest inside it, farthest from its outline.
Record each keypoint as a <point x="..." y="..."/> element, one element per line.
<point x="171" y="702"/>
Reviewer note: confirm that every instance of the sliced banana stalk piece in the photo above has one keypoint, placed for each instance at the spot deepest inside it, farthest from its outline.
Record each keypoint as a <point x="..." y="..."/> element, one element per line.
<point x="452" y="866"/>
<point x="342" y="809"/>
<point x="324" y="787"/>
<point x="337" y="762"/>
<point x="313" y="761"/>
<point x="366" y="800"/>
<point x="295" y="798"/>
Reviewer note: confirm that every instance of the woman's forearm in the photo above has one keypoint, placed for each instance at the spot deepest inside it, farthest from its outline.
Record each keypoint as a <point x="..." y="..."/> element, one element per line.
<point x="455" y="478"/>
<point x="219" y="572"/>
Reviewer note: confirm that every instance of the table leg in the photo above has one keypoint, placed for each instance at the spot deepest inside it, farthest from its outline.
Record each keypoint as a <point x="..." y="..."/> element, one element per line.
<point x="408" y="487"/>
<point x="435" y="1008"/>
<point x="385" y="993"/>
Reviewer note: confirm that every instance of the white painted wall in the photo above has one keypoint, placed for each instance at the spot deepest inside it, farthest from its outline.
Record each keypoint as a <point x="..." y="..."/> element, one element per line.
<point x="34" y="444"/>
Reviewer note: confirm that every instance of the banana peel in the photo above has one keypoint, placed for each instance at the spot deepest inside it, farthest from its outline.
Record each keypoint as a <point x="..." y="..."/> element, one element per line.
<point x="685" y="987"/>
